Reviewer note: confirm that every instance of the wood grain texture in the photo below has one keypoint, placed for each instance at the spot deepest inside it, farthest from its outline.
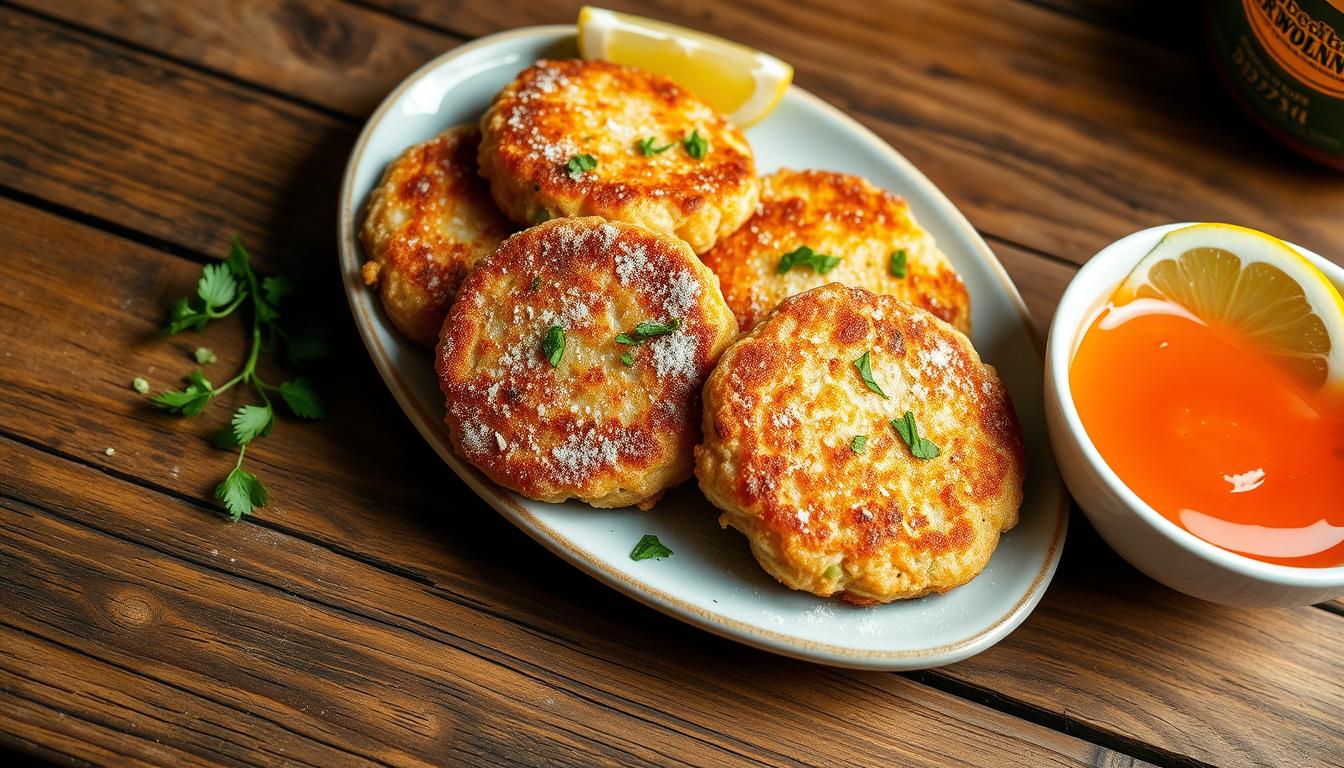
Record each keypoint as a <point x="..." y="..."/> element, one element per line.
<point x="256" y="632"/>
<point x="161" y="149"/>
<point x="337" y="56"/>
<point x="378" y="494"/>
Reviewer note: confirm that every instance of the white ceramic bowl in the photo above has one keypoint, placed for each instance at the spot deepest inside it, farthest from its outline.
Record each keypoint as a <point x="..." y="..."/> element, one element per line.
<point x="1149" y="541"/>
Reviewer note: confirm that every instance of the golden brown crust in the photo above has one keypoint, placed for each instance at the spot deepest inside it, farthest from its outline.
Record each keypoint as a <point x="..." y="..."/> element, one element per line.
<point x="592" y="428"/>
<point x="556" y="110"/>
<point x="875" y="525"/>
<point x="428" y="222"/>
<point x="838" y="215"/>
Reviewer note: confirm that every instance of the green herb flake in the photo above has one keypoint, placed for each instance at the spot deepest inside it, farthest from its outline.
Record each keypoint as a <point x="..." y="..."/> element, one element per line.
<point x="536" y="283"/>
<point x="646" y="330"/>
<point x="647" y="148"/>
<point x="204" y="356"/>
<point x="695" y="145"/>
<point x="897" y="264"/>
<point x="579" y="165"/>
<point x="627" y="359"/>
<point x="859" y="444"/>
<point x="832" y="572"/>
<point x="241" y="492"/>
<point x="251" y="422"/>
<point x="920" y="448"/>
<point x="803" y="256"/>
<point x="553" y="345"/>
<point x="865" y="366"/>
<point x="648" y="547"/>
<point x="140" y="385"/>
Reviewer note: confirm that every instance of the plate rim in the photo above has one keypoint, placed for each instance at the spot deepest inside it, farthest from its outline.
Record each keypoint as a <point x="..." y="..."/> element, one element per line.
<point x="358" y="298"/>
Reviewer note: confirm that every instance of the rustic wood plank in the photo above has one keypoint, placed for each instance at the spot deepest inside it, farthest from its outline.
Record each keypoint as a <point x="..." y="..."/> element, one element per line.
<point x="351" y="658"/>
<point x="154" y="146"/>
<point x="339" y="56"/>
<point x="378" y="494"/>
<point x="1062" y="146"/>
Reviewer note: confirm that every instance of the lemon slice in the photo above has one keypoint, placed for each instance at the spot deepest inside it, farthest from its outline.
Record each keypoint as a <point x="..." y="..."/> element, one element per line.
<point x="1254" y="285"/>
<point x="740" y="82"/>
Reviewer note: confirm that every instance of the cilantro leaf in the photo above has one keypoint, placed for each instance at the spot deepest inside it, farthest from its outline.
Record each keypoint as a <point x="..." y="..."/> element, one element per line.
<point x="920" y="448"/>
<point x="803" y="256"/>
<point x="303" y="399"/>
<point x="647" y="148"/>
<point x="897" y="265"/>
<point x="695" y="145"/>
<point x="216" y="287"/>
<point x="140" y="385"/>
<point x="241" y="493"/>
<point x="859" y="443"/>
<point x="238" y="261"/>
<point x="648" y="547"/>
<point x="865" y="366"/>
<point x="252" y="421"/>
<point x="276" y="288"/>
<point x="187" y="402"/>
<point x="204" y="356"/>
<point x="553" y="345"/>
<point x="627" y="359"/>
<point x="579" y="165"/>
<point x="224" y="439"/>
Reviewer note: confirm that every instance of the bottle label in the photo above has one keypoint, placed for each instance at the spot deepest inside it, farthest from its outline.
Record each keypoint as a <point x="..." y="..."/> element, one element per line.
<point x="1285" y="59"/>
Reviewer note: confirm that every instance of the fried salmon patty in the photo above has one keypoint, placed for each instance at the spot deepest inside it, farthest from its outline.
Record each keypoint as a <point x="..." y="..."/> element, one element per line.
<point x="803" y="458"/>
<point x="564" y="139"/>
<point x="606" y="408"/>
<point x="838" y="216"/>
<point x="428" y="221"/>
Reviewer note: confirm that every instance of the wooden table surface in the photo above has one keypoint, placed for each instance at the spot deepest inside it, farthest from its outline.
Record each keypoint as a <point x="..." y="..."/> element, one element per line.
<point x="376" y="612"/>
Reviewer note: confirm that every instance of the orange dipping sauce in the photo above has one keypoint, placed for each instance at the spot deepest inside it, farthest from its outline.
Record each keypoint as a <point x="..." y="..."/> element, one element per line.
<point x="1212" y="434"/>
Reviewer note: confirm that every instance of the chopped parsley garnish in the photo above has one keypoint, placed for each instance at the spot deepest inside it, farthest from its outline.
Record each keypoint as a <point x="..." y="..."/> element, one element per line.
<point x="627" y="359"/>
<point x="648" y="330"/>
<point x="898" y="263"/>
<point x="646" y="146"/>
<point x="695" y="145"/>
<point x="919" y="447"/>
<point x="803" y="256"/>
<point x="140" y="385"/>
<point x="579" y="165"/>
<point x="865" y="366"/>
<point x="648" y="547"/>
<point x="536" y="283"/>
<point x="553" y="344"/>
<point x="859" y="443"/>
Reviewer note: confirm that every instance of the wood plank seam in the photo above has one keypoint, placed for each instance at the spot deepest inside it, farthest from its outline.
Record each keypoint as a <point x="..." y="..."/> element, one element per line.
<point x="579" y="688"/>
<point x="187" y="63"/>
<point x="1111" y="741"/>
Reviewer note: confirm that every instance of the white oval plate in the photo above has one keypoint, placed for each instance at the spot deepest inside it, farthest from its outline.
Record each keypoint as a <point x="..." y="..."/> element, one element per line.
<point x="712" y="581"/>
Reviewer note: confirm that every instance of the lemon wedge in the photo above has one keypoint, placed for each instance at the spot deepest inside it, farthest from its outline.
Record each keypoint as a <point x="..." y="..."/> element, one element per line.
<point x="740" y="82"/>
<point x="1257" y="287"/>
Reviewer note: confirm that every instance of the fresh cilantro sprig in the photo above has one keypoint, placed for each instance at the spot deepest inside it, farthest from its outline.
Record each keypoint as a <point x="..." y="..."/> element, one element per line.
<point x="803" y="256"/>
<point x="221" y="290"/>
